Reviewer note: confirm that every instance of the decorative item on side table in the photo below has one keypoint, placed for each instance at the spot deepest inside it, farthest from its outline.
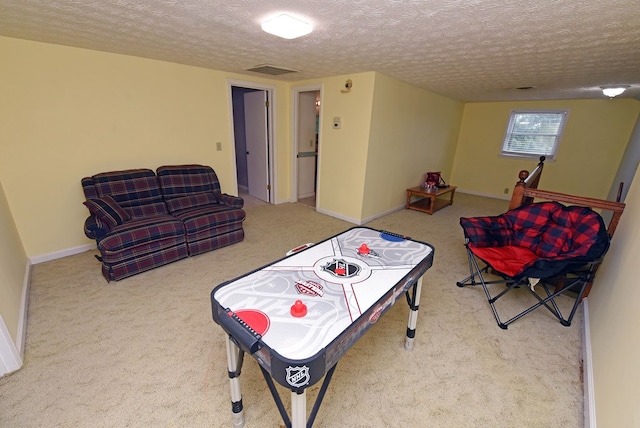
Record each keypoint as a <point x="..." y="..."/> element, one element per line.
<point x="427" y="193"/>
<point x="434" y="181"/>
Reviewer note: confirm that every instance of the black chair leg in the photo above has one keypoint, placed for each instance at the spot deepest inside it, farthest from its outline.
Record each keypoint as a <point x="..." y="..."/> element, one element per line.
<point x="476" y="277"/>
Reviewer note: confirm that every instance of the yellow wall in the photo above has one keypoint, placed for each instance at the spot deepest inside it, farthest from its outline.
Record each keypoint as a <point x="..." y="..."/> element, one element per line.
<point x="66" y="113"/>
<point x="13" y="262"/>
<point x="343" y="152"/>
<point x="594" y="140"/>
<point x="391" y="134"/>
<point x="412" y="131"/>
<point x="614" y="316"/>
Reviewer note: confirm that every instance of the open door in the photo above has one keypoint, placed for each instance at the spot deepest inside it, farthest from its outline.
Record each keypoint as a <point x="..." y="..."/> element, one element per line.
<point x="256" y="132"/>
<point x="305" y="184"/>
<point x="307" y="139"/>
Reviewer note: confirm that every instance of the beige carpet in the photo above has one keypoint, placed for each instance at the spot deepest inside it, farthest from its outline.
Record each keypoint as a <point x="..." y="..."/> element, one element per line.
<point x="145" y="352"/>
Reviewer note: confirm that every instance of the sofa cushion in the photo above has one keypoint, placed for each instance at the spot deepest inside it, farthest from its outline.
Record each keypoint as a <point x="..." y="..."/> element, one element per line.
<point x="142" y="231"/>
<point x="226" y="236"/>
<point x="107" y="210"/>
<point x="135" y="190"/>
<point x="183" y="180"/>
<point x="551" y="229"/>
<point x="191" y="201"/>
<point x="509" y="259"/>
<point x="206" y="217"/>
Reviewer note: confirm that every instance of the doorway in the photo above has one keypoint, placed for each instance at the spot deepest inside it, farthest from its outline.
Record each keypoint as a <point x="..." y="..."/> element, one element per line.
<point x="252" y="118"/>
<point x="306" y="145"/>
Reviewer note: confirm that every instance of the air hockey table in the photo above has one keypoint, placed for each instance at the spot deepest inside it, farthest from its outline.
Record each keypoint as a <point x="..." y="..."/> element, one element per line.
<point x="298" y="315"/>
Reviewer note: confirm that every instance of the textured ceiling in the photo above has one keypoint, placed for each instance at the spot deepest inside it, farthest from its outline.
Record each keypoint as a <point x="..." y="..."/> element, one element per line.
<point x="469" y="50"/>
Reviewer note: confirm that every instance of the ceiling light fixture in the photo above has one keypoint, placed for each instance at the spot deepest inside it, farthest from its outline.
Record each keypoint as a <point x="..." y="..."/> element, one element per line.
<point x="612" y="92"/>
<point x="286" y="26"/>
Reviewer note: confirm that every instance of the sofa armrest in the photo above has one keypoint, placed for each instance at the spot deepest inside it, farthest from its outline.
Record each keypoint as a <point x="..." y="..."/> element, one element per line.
<point x="94" y="228"/>
<point x="231" y="201"/>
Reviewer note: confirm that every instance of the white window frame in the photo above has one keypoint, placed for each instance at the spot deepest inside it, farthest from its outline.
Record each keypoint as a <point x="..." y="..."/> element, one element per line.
<point x="534" y="155"/>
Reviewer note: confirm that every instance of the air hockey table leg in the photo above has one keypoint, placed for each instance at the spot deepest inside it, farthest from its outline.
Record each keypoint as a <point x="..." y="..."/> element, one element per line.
<point x="414" y="303"/>
<point x="298" y="409"/>
<point x="234" y="364"/>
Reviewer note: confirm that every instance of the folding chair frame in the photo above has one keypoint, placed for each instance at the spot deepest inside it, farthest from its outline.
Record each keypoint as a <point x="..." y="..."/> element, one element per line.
<point x="569" y="279"/>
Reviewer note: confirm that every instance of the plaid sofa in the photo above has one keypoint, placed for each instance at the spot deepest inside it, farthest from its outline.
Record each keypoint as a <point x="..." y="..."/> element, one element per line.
<point x="141" y="219"/>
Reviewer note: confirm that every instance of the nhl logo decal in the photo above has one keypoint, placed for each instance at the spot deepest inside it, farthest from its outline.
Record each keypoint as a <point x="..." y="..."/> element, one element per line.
<point x="297" y="376"/>
<point x="341" y="268"/>
<point x="310" y="288"/>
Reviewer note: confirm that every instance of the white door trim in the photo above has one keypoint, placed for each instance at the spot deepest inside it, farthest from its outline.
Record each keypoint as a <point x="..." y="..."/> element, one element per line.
<point x="271" y="134"/>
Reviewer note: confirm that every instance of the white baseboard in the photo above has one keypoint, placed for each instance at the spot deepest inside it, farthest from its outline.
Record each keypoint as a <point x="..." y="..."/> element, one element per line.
<point x="24" y="306"/>
<point x="284" y="201"/>
<point x="339" y="216"/>
<point x="486" y="195"/>
<point x="60" y="254"/>
<point x="12" y="354"/>
<point x="358" y="221"/>
<point x="587" y="370"/>
<point x="382" y="214"/>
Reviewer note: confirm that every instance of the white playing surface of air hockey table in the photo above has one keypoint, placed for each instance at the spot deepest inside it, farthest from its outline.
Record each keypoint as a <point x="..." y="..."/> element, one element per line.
<point x="298" y="315"/>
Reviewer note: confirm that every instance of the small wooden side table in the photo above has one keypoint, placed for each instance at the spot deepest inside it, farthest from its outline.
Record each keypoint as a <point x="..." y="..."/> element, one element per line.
<point x="428" y="201"/>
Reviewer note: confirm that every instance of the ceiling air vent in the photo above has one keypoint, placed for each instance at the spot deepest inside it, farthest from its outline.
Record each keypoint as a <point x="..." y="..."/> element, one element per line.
<point x="272" y="69"/>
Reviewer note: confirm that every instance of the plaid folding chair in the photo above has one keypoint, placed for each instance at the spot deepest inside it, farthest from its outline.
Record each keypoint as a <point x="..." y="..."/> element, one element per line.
<point x="546" y="248"/>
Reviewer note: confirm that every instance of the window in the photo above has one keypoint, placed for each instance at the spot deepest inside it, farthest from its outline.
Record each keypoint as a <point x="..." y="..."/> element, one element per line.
<point x="532" y="133"/>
